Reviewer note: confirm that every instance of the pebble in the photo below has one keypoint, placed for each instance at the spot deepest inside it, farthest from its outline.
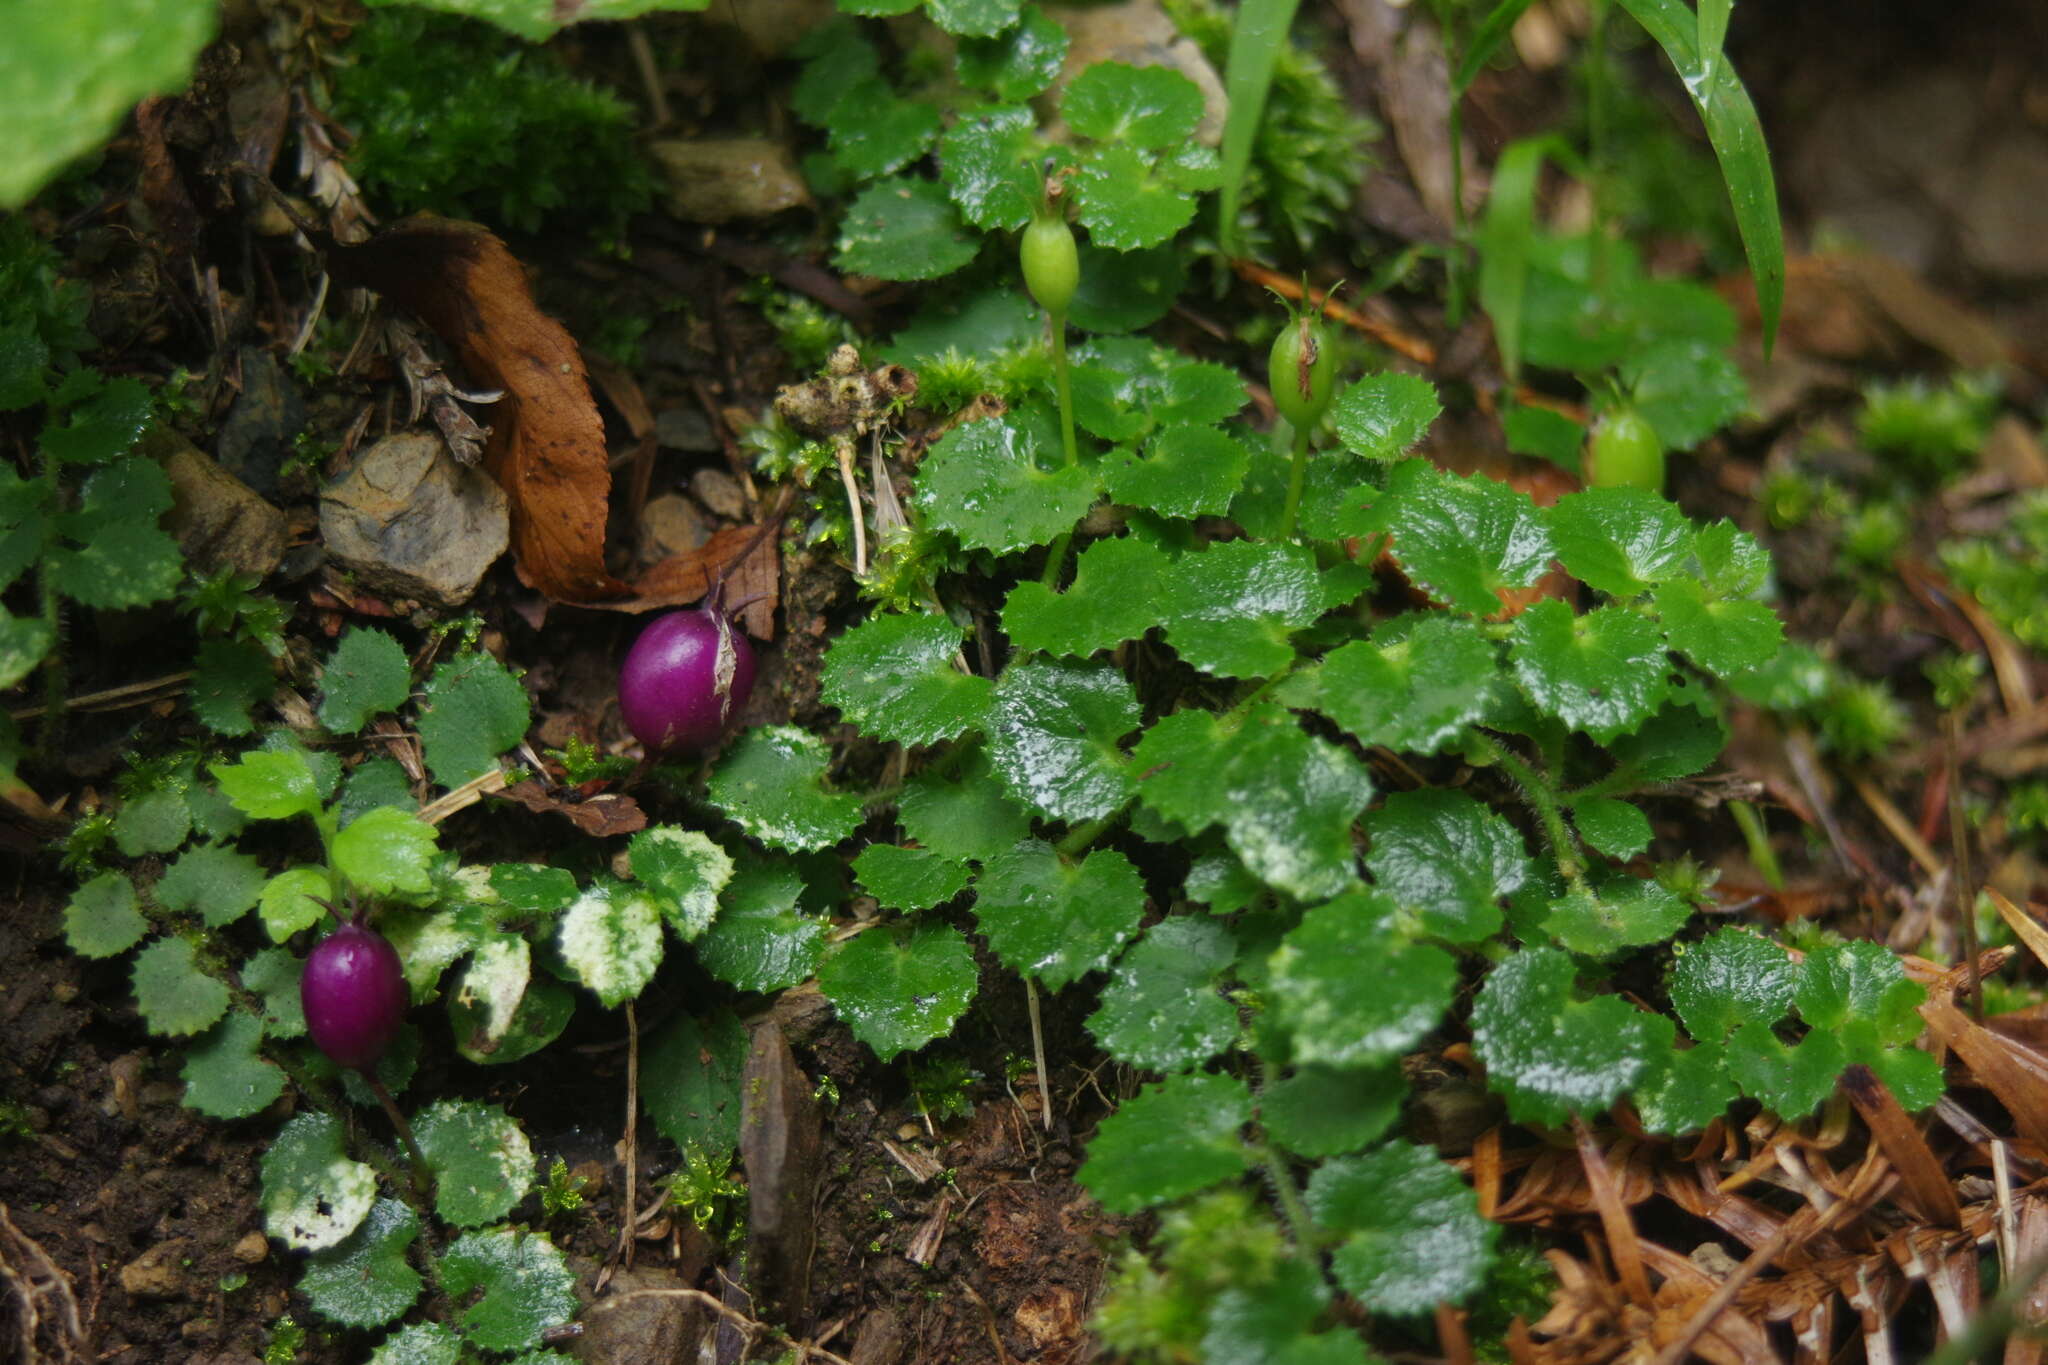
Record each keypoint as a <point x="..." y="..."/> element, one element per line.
<point x="411" y="522"/>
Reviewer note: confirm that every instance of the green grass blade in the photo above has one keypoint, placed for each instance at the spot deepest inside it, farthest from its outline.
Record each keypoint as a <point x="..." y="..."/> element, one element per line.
<point x="1493" y="31"/>
<point x="1738" y="140"/>
<point x="1714" y="28"/>
<point x="1254" y="50"/>
<point x="1504" y="245"/>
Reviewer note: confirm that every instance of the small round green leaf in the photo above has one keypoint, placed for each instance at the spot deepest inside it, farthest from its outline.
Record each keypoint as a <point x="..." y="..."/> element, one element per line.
<point x="772" y="783"/>
<point x="526" y="1287"/>
<point x="481" y="1160"/>
<point x="1171" y="1140"/>
<point x="1161" y="1010"/>
<point x="472" y="711"/>
<point x="982" y="482"/>
<point x="1603" y="672"/>
<point x="1140" y="106"/>
<point x="1448" y="859"/>
<point x="1383" y="416"/>
<point x="290" y="901"/>
<point x="367" y="675"/>
<point x="103" y="917"/>
<point x="761" y="941"/>
<point x="1054" y="920"/>
<point x="1622" y="541"/>
<point x="423" y="1343"/>
<point x="1351" y="991"/>
<point x="900" y="986"/>
<point x="225" y="1073"/>
<point x="1463" y="540"/>
<point x="365" y="1281"/>
<point x="1415" y="1237"/>
<point x="893" y="675"/>
<point x="1731" y="977"/>
<point x="1553" y="1056"/>
<point x="213" y="880"/>
<point x="903" y="229"/>
<point x="172" y="994"/>
<point x="1053" y="732"/>
<point x="1327" y="1111"/>
<point x="1111" y="600"/>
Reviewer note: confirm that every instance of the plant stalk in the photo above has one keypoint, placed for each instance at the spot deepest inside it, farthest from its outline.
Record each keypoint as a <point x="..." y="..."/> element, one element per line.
<point x="1056" y="557"/>
<point x="1536" y="790"/>
<point x="1297" y="476"/>
<point x="422" y="1182"/>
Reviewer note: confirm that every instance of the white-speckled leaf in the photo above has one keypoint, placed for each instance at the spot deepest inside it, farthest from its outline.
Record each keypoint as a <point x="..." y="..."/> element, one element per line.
<point x="493" y="984"/>
<point x="314" y="1194"/>
<point x="611" y="939"/>
<point x="482" y="1163"/>
<point x="684" y="871"/>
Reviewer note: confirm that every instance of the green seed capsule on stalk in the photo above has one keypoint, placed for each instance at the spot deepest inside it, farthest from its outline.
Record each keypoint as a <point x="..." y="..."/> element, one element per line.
<point x="1052" y="265"/>
<point x="1626" y="453"/>
<point x="1302" y="370"/>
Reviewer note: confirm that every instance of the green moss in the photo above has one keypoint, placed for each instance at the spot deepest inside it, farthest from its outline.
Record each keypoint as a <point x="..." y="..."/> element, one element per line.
<point x="454" y="117"/>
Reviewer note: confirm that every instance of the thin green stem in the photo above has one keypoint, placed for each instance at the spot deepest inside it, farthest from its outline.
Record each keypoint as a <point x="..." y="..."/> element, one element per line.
<point x="1296" y="477"/>
<point x="1063" y="385"/>
<point x="1597" y="120"/>
<point x="1301" y="1229"/>
<point x="1542" y="799"/>
<point x="1454" y="303"/>
<point x="1084" y="835"/>
<point x="422" y="1182"/>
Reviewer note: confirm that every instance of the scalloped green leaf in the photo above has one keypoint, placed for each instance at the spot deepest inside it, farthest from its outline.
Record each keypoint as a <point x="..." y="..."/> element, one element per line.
<point x="1612" y="826"/>
<point x="366" y="1280"/>
<point x="1550" y="1055"/>
<point x="470" y="711"/>
<point x="1053" y="733"/>
<point x="119" y="556"/>
<point x="1232" y="609"/>
<point x="903" y="229"/>
<point x="1139" y="106"/>
<point x="1172" y="1139"/>
<point x="1446" y="858"/>
<point x="530" y="889"/>
<point x="525" y="1282"/>
<point x="761" y="941"/>
<point x="268" y="784"/>
<point x="893" y="675"/>
<point x="1350" y="990"/>
<point x="1125" y="388"/>
<point x="1131" y="199"/>
<point x="314" y="1193"/>
<point x="366" y="675"/>
<point x="1269" y="1325"/>
<point x="1682" y="1091"/>
<point x="994" y="166"/>
<point x="1732" y="563"/>
<point x="214" y="881"/>
<point x="423" y="1343"/>
<point x="1863" y="982"/>
<point x="690" y="1073"/>
<point x="226" y="1075"/>
<point x="1622" y="541"/>
<point x="485" y="999"/>
<point x="172" y="994"/>
<point x="1384" y="416"/>
<point x="104" y="917"/>
<point x="1413" y="1235"/>
<point x="155" y="822"/>
<point x="1187" y="471"/>
<point x="1463" y="540"/>
<point x="1055" y="920"/>
<point x="1415" y="692"/>
<point x="973" y="18"/>
<point x="772" y="783"/>
<point x="482" y="1162"/>
<point x="229" y="677"/>
<point x="1685" y="388"/>
<point x="1792" y="1080"/>
<point x="900" y="986"/>
<point x="1603" y="672"/>
<point x="1724" y="638"/>
<point x="1286" y="800"/>
<point x="967" y="817"/>
<point x="1328" y="1111"/>
<point x="274" y="975"/>
<point x="1729" y="978"/>
<point x="1111" y="600"/>
<point x="1018" y="63"/>
<point x="1161" y="1010"/>
<point x="683" y="870"/>
<point x="610" y="937"/>
<point x="908" y="878"/>
<point x="1625" y="912"/>
<point x="889" y="134"/>
<point x="982" y="482"/>
<point x="290" y="901"/>
<point x="387" y="851"/>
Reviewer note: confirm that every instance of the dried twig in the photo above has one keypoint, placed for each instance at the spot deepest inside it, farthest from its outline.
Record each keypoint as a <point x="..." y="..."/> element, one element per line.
<point x="749" y="1327"/>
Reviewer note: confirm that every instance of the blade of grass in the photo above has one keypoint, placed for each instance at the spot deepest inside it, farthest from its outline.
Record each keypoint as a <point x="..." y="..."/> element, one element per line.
<point x="1486" y="41"/>
<point x="1714" y="28"/>
<point x="1738" y="142"/>
<point x="1255" y="44"/>
<point x="1504" y="240"/>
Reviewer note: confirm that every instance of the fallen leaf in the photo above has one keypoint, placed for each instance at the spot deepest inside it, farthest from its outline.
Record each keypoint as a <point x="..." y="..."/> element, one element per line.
<point x="599" y="816"/>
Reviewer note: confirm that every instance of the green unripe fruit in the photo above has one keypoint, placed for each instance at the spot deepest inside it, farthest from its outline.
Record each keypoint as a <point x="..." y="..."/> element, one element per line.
<point x="1302" y="370"/>
<point x="1626" y="454"/>
<point x="1052" y="265"/>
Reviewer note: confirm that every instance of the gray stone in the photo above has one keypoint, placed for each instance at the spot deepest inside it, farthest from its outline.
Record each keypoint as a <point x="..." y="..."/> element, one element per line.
<point x="685" y="429"/>
<point x="257" y="437"/>
<point x="721" y="493"/>
<point x="1138" y="32"/>
<point x="410" y="521"/>
<point x="2005" y="223"/>
<point x="718" y="180"/>
<point x="671" y="525"/>
<point x="220" y="522"/>
<point x="637" y="1323"/>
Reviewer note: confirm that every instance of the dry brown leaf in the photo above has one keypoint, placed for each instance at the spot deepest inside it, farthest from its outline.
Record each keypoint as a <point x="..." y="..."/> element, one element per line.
<point x="598" y="816"/>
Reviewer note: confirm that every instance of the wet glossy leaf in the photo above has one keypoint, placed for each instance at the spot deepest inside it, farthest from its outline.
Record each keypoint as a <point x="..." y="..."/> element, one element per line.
<point x="1722" y="637"/>
<point x="1054" y="920"/>
<point x="1141" y="106"/>
<point x="888" y="134"/>
<point x="173" y="996"/>
<point x="1461" y="539"/>
<point x="1622" y="541"/>
<point x="482" y="1162"/>
<point x="1161" y="1010"/>
<point x="1125" y="388"/>
<point x="893" y="675"/>
<point x="1351" y="990"/>
<point x="1327" y="1111"/>
<point x="1017" y="64"/>
<point x="290" y="901"/>
<point x="610" y="937"/>
<point x="214" y="881"/>
<point x="903" y="229"/>
<point x="1447" y="859"/>
<point x="266" y="784"/>
<point x="423" y="1343"/>
<point x="1127" y="201"/>
<point x="1612" y="826"/>
<point x="1731" y="977"/>
<point x="155" y="822"/>
<point x="1792" y="1080"/>
<point x="530" y="889"/>
<point x="1914" y="1077"/>
<point x="972" y="18"/>
<point x="1053" y="733"/>
<point x="473" y="710"/>
<point x="1731" y="561"/>
<point x="225" y="1074"/>
<point x="103" y="917"/>
<point x="1550" y="1055"/>
<point x="386" y="851"/>
<point x="760" y="940"/>
<point x="1683" y="1091"/>
<point x="526" y="1286"/>
<point x="1414" y="693"/>
<point x="1231" y="609"/>
<point x="1172" y="1139"/>
<point x="274" y="975"/>
<point x="772" y="783"/>
<point x="1383" y="416"/>
<point x="367" y="675"/>
<point x="1187" y="471"/>
<point x="1603" y="672"/>
<point x="1683" y="737"/>
<point x="1285" y="799"/>
<point x="366" y="1281"/>
<point x="982" y="482"/>
<point x="900" y="986"/>
<point x="1112" y="599"/>
<point x="1413" y="1234"/>
<point x="683" y="871"/>
<point x="1685" y="388"/>
<point x="993" y="163"/>
<point x="967" y="817"/>
<point x="908" y="878"/>
<point x="314" y="1194"/>
<point x="1862" y="981"/>
<point x="1626" y="912"/>
<point x="690" y="1072"/>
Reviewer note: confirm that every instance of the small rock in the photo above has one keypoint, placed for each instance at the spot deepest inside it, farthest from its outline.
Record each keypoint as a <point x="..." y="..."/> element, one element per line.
<point x="2005" y="218"/>
<point x="252" y="1249"/>
<point x="1140" y="33"/>
<point x="257" y="437"/>
<point x="721" y="493"/>
<point x="685" y="429"/>
<point x="159" y="1273"/>
<point x="412" y="522"/>
<point x="656" y="1329"/>
<point x="716" y="180"/>
<point x="220" y="522"/>
<point x="671" y="525"/>
<point x="773" y="26"/>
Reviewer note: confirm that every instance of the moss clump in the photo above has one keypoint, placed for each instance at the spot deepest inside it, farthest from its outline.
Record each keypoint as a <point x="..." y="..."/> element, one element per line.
<point x="451" y="115"/>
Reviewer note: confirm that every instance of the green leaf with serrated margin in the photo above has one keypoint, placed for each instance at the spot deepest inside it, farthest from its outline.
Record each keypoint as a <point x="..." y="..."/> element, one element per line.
<point x="155" y="822"/>
<point x="105" y="425"/>
<point x="1231" y="609"/>
<point x="972" y="18"/>
<point x="1140" y="106"/>
<point x="1414" y="1237"/>
<point x="24" y="642"/>
<point x="118" y="557"/>
<point x="1552" y="1056"/>
<point x="901" y="985"/>
<point x="903" y="229"/>
<point x="1055" y="920"/>
<point x="1625" y="912"/>
<point x="993" y="166"/>
<point x="225" y="1074"/>
<point x="213" y="880"/>
<point x="1860" y="981"/>
<point x="982" y="482"/>
<point x="1792" y="1080"/>
<point x="1127" y="201"/>
<point x="1017" y="64"/>
<point x="314" y="1194"/>
<point x="1602" y="672"/>
<point x="1171" y="1140"/>
<point x="1685" y="388"/>
<point x="229" y="678"/>
<point x="366" y="1281"/>
<point x="423" y="1343"/>
<point x="1682" y="1091"/>
<point x="1612" y="826"/>
<point x="172" y="994"/>
<point x="1463" y="540"/>
<point x="1731" y="977"/>
<point x="528" y="888"/>
<point x="771" y="782"/>
<point x="967" y="817"/>
<point x="1270" y="1325"/>
<point x="893" y="676"/>
<point x="1446" y="858"/>
<point x="526" y="1286"/>
<point x="472" y="710"/>
<point x="908" y="878"/>
<point x="690" y="1074"/>
<point x="1112" y="599"/>
<point x="1724" y="638"/>
<point x="1731" y="561"/>
<point x="290" y="901"/>
<point x="1187" y="471"/>
<point x="367" y="675"/>
<point x="1414" y="693"/>
<point x="1681" y="738"/>
<point x="274" y="975"/>
<point x="888" y="134"/>
<point x="1053" y="733"/>
<point x="683" y="871"/>
<point x="1127" y="387"/>
<point x="387" y="851"/>
<point x="103" y="918"/>
<point x="761" y="941"/>
<point x="1327" y="1111"/>
<point x="482" y="1162"/>
<point x="1350" y="990"/>
<point x="611" y="938"/>
<point x="1161" y="1010"/>
<point x="1622" y="541"/>
<point x="1383" y="416"/>
<point x="268" y="784"/>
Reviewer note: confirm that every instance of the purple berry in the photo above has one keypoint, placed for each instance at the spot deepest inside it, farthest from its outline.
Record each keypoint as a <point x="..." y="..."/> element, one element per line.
<point x="684" y="680"/>
<point x="354" y="995"/>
